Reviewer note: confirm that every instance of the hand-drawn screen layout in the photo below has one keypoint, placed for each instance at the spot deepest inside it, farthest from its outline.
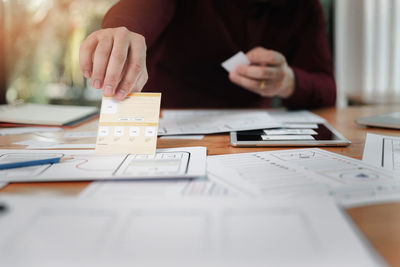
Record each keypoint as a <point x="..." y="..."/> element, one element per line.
<point x="86" y="165"/>
<point x="302" y="172"/>
<point x="391" y="153"/>
<point x="383" y="151"/>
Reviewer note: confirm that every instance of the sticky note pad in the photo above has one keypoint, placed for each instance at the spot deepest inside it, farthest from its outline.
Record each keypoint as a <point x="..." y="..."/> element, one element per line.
<point x="130" y="125"/>
<point x="238" y="59"/>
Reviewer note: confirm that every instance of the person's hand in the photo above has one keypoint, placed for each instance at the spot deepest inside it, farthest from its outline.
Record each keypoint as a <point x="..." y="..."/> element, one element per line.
<point x="268" y="75"/>
<point x="115" y="60"/>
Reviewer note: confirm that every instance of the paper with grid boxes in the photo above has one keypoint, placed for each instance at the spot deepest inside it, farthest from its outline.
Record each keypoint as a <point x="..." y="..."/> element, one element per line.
<point x="129" y="126"/>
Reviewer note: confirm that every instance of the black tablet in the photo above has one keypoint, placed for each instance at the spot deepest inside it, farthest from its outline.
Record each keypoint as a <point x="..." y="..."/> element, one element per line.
<point x="299" y="134"/>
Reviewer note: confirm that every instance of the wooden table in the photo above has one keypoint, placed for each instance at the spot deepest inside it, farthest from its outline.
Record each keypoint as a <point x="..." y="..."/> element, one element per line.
<point x="380" y="223"/>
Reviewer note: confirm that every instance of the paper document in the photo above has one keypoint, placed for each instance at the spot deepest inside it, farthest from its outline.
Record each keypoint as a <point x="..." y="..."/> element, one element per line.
<point x="171" y="163"/>
<point x="383" y="151"/>
<point x="129" y="126"/>
<point x="303" y="172"/>
<point x="70" y="232"/>
<point x="38" y="144"/>
<point x="286" y="137"/>
<point x="132" y="190"/>
<point x="45" y="114"/>
<point x="302" y="116"/>
<point x="231" y="63"/>
<point x="175" y="122"/>
<point x="71" y="134"/>
<point x="300" y="126"/>
<point x="27" y="130"/>
<point x="64" y="146"/>
<point x="183" y="137"/>
<point x="290" y="132"/>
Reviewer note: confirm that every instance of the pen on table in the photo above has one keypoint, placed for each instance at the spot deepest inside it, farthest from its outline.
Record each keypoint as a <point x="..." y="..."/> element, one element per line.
<point x="28" y="163"/>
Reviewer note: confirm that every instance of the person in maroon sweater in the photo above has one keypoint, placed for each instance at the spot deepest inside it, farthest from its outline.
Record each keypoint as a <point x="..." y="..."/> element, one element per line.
<point x="186" y="41"/>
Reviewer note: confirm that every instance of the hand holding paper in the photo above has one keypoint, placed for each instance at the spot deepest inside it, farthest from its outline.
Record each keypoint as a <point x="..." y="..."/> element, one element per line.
<point x="262" y="71"/>
<point x="115" y="59"/>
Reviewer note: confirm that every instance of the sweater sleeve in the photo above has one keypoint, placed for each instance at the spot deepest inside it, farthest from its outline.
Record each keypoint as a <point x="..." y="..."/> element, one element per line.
<point x="146" y="17"/>
<point x="312" y="64"/>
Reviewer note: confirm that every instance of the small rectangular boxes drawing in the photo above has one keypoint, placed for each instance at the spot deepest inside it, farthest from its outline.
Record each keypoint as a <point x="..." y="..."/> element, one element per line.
<point x="129" y="126"/>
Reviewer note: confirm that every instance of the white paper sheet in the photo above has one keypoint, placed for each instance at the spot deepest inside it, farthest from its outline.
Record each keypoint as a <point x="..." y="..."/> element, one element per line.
<point x="213" y="121"/>
<point x="183" y="137"/>
<point x="26" y="130"/>
<point x="176" y="122"/>
<point x="36" y="143"/>
<point x="44" y="114"/>
<point x="171" y="163"/>
<point x="131" y="190"/>
<point x="72" y="134"/>
<point x="231" y="63"/>
<point x="2" y="185"/>
<point x="286" y="137"/>
<point x="64" y="146"/>
<point x="301" y="116"/>
<point x="39" y="144"/>
<point x="300" y="126"/>
<point x="68" y="232"/>
<point x="290" y="132"/>
<point x="383" y="151"/>
<point x="301" y="172"/>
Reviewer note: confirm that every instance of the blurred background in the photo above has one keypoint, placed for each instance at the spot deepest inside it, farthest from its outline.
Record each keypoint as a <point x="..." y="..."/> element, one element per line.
<point x="40" y="47"/>
<point x="40" y="39"/>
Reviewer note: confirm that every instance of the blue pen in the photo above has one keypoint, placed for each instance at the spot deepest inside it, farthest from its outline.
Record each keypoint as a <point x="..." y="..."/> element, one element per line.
<point x="19" y="164"/>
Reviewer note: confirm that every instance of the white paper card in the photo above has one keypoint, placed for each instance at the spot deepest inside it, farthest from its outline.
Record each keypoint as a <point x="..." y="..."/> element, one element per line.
<point x="130" y="125"/>
<point x="80" y="134"/>
<point x="300" y="126"/>
<point x="238" y="59"/>
<point x="290" y="132"/>
<point x="27" y="130"/>
<point x="286" y="137"/>
<point x="183" y="137"/>
<point x="178" y="122"/>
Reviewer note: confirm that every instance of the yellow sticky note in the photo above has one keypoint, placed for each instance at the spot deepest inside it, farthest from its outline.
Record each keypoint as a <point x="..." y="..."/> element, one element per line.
<point x="129" y="126"/>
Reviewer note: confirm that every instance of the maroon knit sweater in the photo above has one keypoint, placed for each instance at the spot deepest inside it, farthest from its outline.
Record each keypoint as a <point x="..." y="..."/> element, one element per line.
<point x="188" y="39"/>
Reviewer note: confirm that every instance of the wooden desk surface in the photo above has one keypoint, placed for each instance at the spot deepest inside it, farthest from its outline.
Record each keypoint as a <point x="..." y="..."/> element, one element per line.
<point x="380" y="223"/>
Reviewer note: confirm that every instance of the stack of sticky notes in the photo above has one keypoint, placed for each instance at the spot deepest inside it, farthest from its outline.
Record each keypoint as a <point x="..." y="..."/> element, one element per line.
<point x="130" y="125"/>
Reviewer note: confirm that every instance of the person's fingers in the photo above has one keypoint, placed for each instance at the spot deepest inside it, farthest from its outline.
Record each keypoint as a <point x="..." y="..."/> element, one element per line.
<point x="253" y="85"/>
<point x="138" y="86"/>
<point x="86" y="53"/>
<point x="135" y="73"/>
<point x="245" y="82"/>
<point x="100" y="60"/>
<point x="116" y="62"/>
<point x="261" y="72"/>
<point x="141" y="82"/>
<point x="262" y="56"/>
